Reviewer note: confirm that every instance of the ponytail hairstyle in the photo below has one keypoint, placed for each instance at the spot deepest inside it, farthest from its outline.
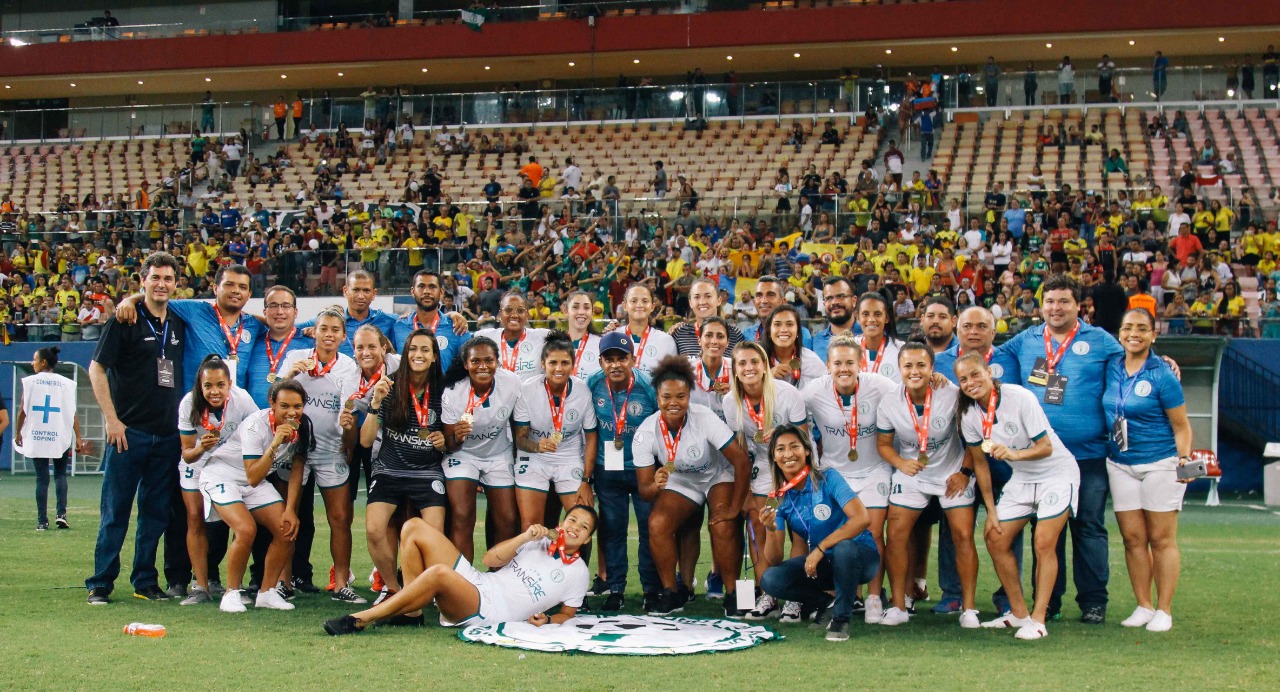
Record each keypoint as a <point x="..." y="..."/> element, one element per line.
<point x="890" y="327"/>
<point x="199" y="405"/>
<point x="769" y="394"/>
<point x="306" y="436"/>
<point x="387" y="346"/>
<point x="398" y="416"/>
<point x="965" y="401"/>
<point x="845" y="340"/>
<point x="457" y="371"/>
<point x="49" y="354"/>
<point x="591" y="325"/>
<point x="557" y="341"/>
<point x="336" y="312"/>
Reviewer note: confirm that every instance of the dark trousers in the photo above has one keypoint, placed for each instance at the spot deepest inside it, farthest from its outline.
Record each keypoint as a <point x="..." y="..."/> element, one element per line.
<point x="1090" y="558"/>
<point x="843" y="568"/>
<point x="148" y="470"/>
<point x="948" y="576"/>
<point x="42" y="486"/>
<point x="302" y="543"/>
<point x="177" y="560"/>
<point x="615" y="490"/>
<point x="280" y="127"/>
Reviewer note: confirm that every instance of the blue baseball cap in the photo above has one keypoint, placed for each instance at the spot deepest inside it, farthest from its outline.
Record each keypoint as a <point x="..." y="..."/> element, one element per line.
<point x="616" y="341"/>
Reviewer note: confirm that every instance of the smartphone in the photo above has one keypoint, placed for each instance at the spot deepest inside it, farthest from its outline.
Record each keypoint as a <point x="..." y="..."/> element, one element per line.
<point x="1193" y="469"/>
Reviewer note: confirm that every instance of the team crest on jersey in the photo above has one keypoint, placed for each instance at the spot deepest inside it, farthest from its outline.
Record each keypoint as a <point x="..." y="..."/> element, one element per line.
<point x="1080" y="348"/>
<point x="635" y="408"/>
<point x="864" y="408"/>
<point x="821" y="512"/>
<point x="438" y="487"/>
<point x="577" y="474"/>
<point x="245" y="337"/>
<point x="695" y="452"/>
<point x="341" y="469"/>
<point x="882" y="488"/>
<point x="888" y="369"/>
<point x="938" y="424"/>
<point x="502" y="412"/>
<point x="1011" y="428"/>
<point x="1143" y="388"/>
<point x="1051" y="499"/>
<point x="442" y="343"/>
<point x="572" y="415"/>
<point x="637" y="440"/>
<point x="557" y="575"/>
<point x="997" y="370"/>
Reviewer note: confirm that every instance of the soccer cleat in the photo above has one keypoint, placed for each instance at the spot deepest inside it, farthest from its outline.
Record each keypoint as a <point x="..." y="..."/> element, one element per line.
<point x="765" y="606"/>
<point x="343" y="625"/>
<point x="42" y="526"/>
<point x="948" y="606"/>
<point x="272" y="600"/>
<point x="231" y="602"/>
<point x="196" y="596"/>
<point x="613" y="603"/>
<point x="304" y="586"/>
<point x="348" y="595"/>
<point x="150" y="593"/>
<point x="1161" y="622"/>
<point x="895" y="616"/>
<point x="1031" y="630"/>
<point x="790" y="612"/>
<point x="715" y="586"/>
<point x="375" y="581"/>
<point x="969" y="620"/>
<point x="598" y="587"/>
<point x="215" y="589"/>
<point x="176" y="591"/>
<point x="1140" y="618"/>
<point x="1006" y="620"/>
<point x="874" y="611"/>
<point x="61" y="522"/>
<point x="838" y="630"/>
<point x="668" y="602"/>
<point x="98" y="596"/>
<point x="1094" y="615"/>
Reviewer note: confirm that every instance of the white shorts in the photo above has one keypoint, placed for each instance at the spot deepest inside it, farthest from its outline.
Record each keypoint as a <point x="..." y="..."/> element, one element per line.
<point x="1044" y="499"/>
<point x="761" y="476"/>
<point x="696" y="492"/>
<point x="331" y="476"/>
<point x="189" y="476"/>
<point x="491" y="473"/>
<point x="873" y="488"/>
<point x="492" y="605"/>
<point x="1152" y="487"/>
<point x="566" y="478"/>
<point x="224" y="493"/>
<point x="913" y="493"/>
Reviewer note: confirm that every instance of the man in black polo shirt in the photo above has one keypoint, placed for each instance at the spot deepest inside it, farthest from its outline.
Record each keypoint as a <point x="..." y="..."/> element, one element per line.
<point x="136" y="374"/>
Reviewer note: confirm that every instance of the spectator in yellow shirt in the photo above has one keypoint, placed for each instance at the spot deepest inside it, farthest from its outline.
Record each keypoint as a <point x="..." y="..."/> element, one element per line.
<point x="67" y="296"/>
<point x="368" y="247"/>
<point x="414" y="245"/>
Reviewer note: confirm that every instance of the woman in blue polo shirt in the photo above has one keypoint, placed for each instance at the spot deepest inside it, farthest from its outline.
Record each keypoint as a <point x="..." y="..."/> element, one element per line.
<point x="1150" y="438"/>
<point x="820" y="508"/>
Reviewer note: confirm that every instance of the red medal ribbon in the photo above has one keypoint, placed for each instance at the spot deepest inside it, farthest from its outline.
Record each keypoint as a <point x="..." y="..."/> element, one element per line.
<point x="365" y="386"/>
<point x="620" y="424"/>
<point x="852" y="426"/>
<point x="204" y="419"/>
<point x="757" y="418"/>
<point x="473" y="403"/>
<point x="721" y="378"/>
<point x="557" y="546"/>
<point x="422" y="405"/>
<point x="672" y="444"/>
<point x="434" y="324"/>
<point x="318" y="371"/>
<point x="577" y="357"/>
<point x="921" y="424"/>
<point x="509" y="363"/>
<point x="989" y="416"/>
<point x="875" y="366"/>
<point x="233" y="341"/>
<point x="1051" y="357"/>
<point x="271" y="419"/>
<point x="557" y="412"/>
<point x="644" y="339"/>
<point x="274" y="358"/>
<point x="804" y="473"/>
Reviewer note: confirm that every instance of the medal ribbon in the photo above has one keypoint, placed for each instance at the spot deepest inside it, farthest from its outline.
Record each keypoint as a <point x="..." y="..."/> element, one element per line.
<point x="620" y="424"/>
<point x="757" y="418"/>
<point x="365" y="386"/>
<point x="577" y="357"/>
<point x="852" y="426"/>
<point x="473" y="403"/>
<point x="989" y="416"/>
<point x="875" y="366"/>
<point x="921" y="424"/>
<point x="644" y="339"/>
<point x="721" y="378"/>
<point x="509" y="363"/>
<point x="271" y="419"/>
<point x="557" y="412"/>
<point x="987" y="356"/>
<point x="672" y="444"/>
<point x="435" y="323"/>
<point x="557" y="546"/>
<point x="233" y="341"/>
<point x="1050" y="356"/>
<point x="422" y="405"/>
<point x="804" y="473"/>
<point x="318" y="371"/>
<point x="795" y="374"/>
<point x="204" y="419"/>
<point x="274" y="359"/>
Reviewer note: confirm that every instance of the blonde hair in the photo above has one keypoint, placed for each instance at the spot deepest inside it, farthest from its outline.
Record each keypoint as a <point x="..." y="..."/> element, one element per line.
<point x="844" y="341"/>
<point x="767" y="396"/>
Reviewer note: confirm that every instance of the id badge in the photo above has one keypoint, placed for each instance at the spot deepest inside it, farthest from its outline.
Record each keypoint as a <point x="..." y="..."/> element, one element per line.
<point x="1039" y="373"/>
<point x="614" y="458"/>
<point x="745" y="592"/>
<point x="164" y="372"/>
<point x="1120" y="434"/>
<point x="1056" y="389"/>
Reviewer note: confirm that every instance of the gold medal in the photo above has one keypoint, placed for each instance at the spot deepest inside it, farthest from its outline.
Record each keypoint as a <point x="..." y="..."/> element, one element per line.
<point x="349" y="405"/>
<point x="853" y="455"/>
<point x="670" y="466"/>
<point x="923" y="459"/>
<point x="772" y="502"/>
<point x="424" y="433"/>
<point x="557" y="436"/>
<point x="216" y="432"/>
<point x="271" y="378"/>
<point x="231" y="358"/>
<point x="466" y="418"/>
<point x="759" y="438"/>
<point x="794" y="364"/>
<point x="987" y="446"/>
<point x="617" y="443"/>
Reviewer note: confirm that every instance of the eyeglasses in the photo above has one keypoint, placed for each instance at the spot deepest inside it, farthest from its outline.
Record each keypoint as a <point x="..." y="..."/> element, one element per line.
<point x="838" y="296"/>
<point x="280" y="306"/>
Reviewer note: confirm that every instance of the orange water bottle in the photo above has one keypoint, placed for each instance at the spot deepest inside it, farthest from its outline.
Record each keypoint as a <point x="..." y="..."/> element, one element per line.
<point x="139" y="629"/>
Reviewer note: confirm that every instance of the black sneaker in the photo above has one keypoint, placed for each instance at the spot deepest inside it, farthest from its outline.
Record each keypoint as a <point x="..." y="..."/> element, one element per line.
<point x="177" y="591"/>
<point x="598" y="587"/>
<point x="684" y="593"/>
<point x="1094" y="615"/>
<point x="838" y="630"/>
<point x="614" y="603"/>
<point x="822" y="613"/>
<point x="404" y="621"/>
<point x="98" y="596"/>
<point x="859" y="606"/>
<point x="304" y="586"/>
<point x="253" y="587"/>
<point x="667" y="602"/>
<point x="61" y="522"/>
<point x="343" y="625"/>
<point x="731" y="610"/>
<point x="42" y="526"/>
<point x="150" y="593"/>
<point x="286" y="592"/>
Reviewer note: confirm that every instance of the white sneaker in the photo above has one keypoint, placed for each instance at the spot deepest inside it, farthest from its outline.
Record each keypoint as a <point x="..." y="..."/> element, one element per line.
<point x="874" y="610"/>
<point x="1161" y="622"/>
<point x="1031" y="630"/>
<point x="765" y="606"/>
<point x="969" y="620"/>
<point x="790" y="612"/>
<point x="273" y="600"/>
<point x="231" y="602"/>
<point x="909" y="603"/>
<point x="245" y="598"/>
<point x="1007" y="620"/>
<point x="1141" y="616"/>
<point x="894" y="616"/>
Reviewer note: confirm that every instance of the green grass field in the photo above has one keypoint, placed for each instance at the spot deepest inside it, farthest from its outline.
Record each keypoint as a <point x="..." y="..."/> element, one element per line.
<point x="1224" y="634"/>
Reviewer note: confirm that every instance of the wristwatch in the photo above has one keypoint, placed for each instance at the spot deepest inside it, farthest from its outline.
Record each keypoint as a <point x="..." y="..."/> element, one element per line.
<point x="966" y="471"/>
<point x="589" y="481"/>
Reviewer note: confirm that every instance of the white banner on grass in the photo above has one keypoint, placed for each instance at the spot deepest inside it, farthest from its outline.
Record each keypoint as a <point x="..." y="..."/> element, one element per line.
<point x="630" y="635"/>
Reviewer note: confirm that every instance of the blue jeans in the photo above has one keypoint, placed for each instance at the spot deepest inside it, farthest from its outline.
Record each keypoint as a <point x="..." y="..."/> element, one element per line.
<point x="844" y="568"/>
<point x="42" y="486"/>
<point x="1090" y="559"/>
<point x="948" y="577"/>
<point x="614" y="489"/>
<point x="147" y="469"/>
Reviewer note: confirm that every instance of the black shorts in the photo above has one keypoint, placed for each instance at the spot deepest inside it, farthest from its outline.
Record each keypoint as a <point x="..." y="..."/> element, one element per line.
<point x="417" y="493"/>
<point x="1057" y="257"/>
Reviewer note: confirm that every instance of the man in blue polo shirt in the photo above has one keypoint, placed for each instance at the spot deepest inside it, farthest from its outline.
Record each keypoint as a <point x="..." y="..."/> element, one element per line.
<point x="623" y="399"/>
<point x="280" y="310"/>
<point x="837" y="297"/>
<point x="359" y="291"/>
<point x="1064" y="363"/>
<point x="770" y="293"/>
<point x="427" y="292"/>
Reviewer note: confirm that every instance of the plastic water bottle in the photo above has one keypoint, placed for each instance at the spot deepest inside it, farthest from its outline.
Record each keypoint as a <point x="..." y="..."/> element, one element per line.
<point x="139" y="629"/>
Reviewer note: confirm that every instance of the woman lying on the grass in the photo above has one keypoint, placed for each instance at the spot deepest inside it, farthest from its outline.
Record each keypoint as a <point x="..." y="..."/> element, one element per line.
<point x="534" y="571"/>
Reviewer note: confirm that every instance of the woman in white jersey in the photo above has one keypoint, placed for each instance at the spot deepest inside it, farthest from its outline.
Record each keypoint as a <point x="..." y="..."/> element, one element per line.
<point x="843" y="406"/>
<point x="686" y="457"/>
<point x="274" y="440"/>
<point x="208" y="416"/>
<point x="519" y="345"/>
<point x="579" y="309"/>
<point x="712" y="372"/>
<point x="330" y="379"/>
<point x="789" y="360"/>
<point x="1006" y="422"/>
<point x="757" y="403"/>
<point x="917" y="434"/>
<point x="878" y="341"/>
<point x="555" y="430"/>
<point x="479" y="398"/>
<point x="652" y="345"/>
<point x="531" y="573"/>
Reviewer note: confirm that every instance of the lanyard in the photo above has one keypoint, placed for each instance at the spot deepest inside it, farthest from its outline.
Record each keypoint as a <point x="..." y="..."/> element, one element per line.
<point x="318" y="371"/>
<point x="1053" y="357"/>
<point x="509" y="363"/>
<point x="721" y="378"/>
<point x="274" y="358"/>
<point x="620" y="424"/>
<point x="986" y="357"/>
<point x="852" y="426"/>
<point x="1126" y="388"/>
<point x="163" y="336"/>
<point x="233" y="340"/>
<point x="422" y="405"/>
<point x="577" y="357"/>
<point x="672" y="444"/>
<point x="557" y="412"/>
<point x="271" y="418"/>
<point x="435" y="323"/>
<point x="921" y="424"/>
<point x="989" y="416"/>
